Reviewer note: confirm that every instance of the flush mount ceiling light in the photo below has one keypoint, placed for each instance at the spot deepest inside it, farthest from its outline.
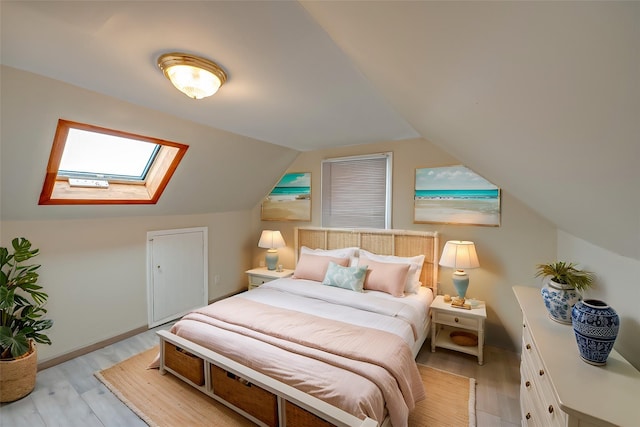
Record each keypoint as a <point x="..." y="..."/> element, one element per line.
<point x="195" y="77"/>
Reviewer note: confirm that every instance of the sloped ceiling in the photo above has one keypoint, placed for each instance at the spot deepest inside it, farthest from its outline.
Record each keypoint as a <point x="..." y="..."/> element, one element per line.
<point x="541" y="98"/>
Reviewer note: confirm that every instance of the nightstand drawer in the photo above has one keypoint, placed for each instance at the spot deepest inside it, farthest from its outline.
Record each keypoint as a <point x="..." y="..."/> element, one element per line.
<point x="260" y="276"/>
<point x="457" y="320"/>
<point x="258" y="280"/>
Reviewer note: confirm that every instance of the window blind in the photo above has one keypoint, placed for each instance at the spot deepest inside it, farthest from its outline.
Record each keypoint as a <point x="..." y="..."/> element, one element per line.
<point x="356" y="191"/>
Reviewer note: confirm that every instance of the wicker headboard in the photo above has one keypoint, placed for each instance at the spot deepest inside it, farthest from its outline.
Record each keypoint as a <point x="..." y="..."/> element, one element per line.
<point x="384" y="242"/>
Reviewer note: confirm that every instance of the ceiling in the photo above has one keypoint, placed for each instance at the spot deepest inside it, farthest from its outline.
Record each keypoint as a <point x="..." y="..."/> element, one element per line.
<point x="541" y="98"/>
<point x="287" y="78"/>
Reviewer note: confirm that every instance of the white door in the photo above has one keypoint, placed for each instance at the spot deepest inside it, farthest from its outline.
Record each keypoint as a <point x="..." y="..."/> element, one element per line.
<point x="177" y="273"/>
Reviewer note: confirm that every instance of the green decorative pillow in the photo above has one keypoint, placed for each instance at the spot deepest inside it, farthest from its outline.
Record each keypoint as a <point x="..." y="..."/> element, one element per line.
<point x="351" y="278"/>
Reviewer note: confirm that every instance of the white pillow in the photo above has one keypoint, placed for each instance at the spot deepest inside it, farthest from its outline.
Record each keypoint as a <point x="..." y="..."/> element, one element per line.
<point x="412" y="283"/>
<point x="335" y="253"/>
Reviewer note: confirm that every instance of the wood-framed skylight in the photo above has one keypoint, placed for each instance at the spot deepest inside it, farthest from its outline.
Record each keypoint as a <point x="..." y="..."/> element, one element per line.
<point x="92" y="165"/>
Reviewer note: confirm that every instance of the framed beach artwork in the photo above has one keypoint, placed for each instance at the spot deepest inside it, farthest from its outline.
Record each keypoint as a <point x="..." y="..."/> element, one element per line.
<point x="290" y="199"/>
<point x="455" y="195"/>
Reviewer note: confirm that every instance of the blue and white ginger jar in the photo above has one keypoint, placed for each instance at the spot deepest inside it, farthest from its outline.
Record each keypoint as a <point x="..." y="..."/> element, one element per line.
<point x="559" y="300"/>
<point x="595" y="325"/>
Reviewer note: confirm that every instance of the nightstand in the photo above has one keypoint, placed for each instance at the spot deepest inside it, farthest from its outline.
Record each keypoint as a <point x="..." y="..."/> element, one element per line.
<point x="446" y="319"/>
<point x="258" y="276"/>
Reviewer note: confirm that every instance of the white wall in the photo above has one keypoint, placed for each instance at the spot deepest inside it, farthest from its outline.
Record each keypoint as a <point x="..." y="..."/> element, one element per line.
<point x="617" y="284"/>
<point x="508" y="254"/>
<point x="95" y="270"/>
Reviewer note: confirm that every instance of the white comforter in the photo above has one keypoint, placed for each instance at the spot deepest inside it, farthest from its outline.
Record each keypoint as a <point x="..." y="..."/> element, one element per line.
<point x="404" y="317"/>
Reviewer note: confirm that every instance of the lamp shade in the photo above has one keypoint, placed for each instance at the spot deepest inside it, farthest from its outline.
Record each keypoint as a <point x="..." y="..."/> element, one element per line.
<point x="271" y="239"/>
<point x="460" y="255"/>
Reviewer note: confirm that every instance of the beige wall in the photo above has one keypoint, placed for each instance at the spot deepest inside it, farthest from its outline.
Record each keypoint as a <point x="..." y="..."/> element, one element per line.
<point x="508" y="254"/>
<point x="95" y="270"/>
<point x="94" y="256"/>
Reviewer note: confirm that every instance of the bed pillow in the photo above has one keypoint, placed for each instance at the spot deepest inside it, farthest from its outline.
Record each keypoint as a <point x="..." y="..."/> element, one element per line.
<point x="412" y="283"/>
<point x="337" y="253"/>
<point x="351" y="278"/>
<point x="387" y="277"/>
<point x="314" y="267"/>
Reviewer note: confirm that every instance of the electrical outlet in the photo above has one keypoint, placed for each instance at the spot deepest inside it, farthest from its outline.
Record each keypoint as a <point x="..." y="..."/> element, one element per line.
<point x="216" y="279"/>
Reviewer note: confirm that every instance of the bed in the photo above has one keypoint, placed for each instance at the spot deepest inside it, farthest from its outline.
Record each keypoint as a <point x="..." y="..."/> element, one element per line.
<point x="333" y="345"/>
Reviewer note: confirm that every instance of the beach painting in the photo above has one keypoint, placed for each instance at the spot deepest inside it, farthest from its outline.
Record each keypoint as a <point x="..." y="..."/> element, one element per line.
<point x="290" y="199"/>
<point x="455" y="195"/>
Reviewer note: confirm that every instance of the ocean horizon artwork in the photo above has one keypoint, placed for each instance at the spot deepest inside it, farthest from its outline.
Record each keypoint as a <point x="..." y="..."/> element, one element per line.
<point x="290" y="199"/>
<point x="455" y="195"/>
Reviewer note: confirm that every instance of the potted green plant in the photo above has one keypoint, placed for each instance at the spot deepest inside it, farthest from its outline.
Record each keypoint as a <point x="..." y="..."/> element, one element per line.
<point x="21" y="320"/>
<point x="563" y="285"/>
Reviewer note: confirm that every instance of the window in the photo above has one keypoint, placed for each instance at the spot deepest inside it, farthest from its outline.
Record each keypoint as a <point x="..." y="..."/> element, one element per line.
<point x="92" y="155"/>
<point x="94" y="165"/>
<point x="356" y="191"/>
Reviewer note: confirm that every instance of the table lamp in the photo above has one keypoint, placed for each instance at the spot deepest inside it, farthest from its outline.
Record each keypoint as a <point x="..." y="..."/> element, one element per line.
<point x="271" y="240"/>
<point x="459" y="255"/>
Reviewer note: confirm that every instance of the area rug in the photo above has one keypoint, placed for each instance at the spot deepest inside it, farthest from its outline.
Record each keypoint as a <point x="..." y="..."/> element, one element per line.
<point x="164" y="400"/>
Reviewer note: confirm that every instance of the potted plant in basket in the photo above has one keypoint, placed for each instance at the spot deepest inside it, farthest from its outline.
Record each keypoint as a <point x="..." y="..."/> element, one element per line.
<point x="563" y="284"/>
<point x="21" y="324"/>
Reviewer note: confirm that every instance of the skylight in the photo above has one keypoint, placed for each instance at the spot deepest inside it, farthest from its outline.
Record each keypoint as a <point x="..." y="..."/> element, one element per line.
<point x="94" y="165"/>
<point x="98" y="155"/>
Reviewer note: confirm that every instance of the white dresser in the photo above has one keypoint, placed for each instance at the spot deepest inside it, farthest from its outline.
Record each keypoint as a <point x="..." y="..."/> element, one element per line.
<point x="557" y="388"/>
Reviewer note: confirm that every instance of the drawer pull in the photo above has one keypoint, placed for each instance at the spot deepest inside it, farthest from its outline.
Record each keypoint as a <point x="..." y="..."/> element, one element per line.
<point x="541" y="372"/>
<point x="456" y="320"/>
<point x="528" y="416"/>
<point x="528" y="346"/>
<point x="551" y="409"/>
<point x="527" y="384"/>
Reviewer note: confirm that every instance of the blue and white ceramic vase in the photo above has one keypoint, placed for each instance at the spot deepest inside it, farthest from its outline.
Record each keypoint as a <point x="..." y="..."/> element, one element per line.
<point x="559" y="300"/>
<point x="595" y="325"/>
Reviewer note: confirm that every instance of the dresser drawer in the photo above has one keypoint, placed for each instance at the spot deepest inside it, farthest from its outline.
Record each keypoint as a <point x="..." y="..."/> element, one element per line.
<point x="459" y="321"/>
<point x="529" y="402"/>
<point x="535" y="381"/>
<point x="548" y="402"/>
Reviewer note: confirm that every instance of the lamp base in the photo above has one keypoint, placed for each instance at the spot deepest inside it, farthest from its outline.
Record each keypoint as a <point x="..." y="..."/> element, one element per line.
<point x="271" y="259"/>
<point x="461" y="283"/>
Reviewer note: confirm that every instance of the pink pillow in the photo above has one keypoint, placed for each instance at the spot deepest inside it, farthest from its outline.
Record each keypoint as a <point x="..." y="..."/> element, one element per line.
<point x="415" y="270"/>
<point x="385" y="276"/>
<point x="314" y="267"/>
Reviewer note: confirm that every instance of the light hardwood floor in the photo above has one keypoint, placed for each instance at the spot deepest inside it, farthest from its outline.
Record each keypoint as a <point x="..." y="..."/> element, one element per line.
<point x="69" y="395"/>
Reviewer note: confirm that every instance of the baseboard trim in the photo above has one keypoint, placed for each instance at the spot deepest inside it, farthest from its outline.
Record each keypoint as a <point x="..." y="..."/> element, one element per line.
<point x="88" y="349"/>
<point x="97" y="346"/>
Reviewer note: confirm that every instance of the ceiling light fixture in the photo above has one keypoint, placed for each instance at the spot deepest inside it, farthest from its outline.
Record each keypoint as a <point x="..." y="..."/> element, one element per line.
<point x="194" y="76"/>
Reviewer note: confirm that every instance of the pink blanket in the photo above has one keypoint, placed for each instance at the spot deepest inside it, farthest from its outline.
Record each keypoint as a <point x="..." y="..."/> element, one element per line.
<point x="360" y="370"/>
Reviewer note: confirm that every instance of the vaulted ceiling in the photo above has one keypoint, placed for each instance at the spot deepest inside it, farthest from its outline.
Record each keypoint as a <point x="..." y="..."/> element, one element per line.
<point x="541" y="98"/>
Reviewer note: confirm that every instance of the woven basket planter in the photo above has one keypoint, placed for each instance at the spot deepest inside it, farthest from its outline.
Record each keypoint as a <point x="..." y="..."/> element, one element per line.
<point x="18" y="376"/>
